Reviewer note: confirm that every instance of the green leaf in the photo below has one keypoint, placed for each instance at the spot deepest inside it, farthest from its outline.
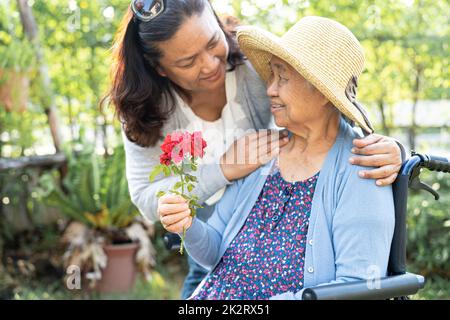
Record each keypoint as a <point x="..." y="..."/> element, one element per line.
<point x="166" y="171"/>
<point x="156" y="171"/>
<point x="86" y="190"/>
<point x="175" y="169"/>
<point x="186" y="197"/>
<point x="160" y="194"/>
<point x="190" y="177"/>
<point x="122" y="215"/>
<point x="178" y="185"/>
<point x="198" y="205"/>
<point x="176" y="192"/>
<point x="190" y="187"/>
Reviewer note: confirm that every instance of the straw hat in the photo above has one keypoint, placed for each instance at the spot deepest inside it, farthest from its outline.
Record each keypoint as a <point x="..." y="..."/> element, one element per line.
<point x="323" y="51"/>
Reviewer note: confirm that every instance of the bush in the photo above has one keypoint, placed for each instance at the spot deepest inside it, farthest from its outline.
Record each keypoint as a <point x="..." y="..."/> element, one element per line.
<point x="429" y="229"/>
<point x="95" y="197"/>
<point x="17" y="55"/>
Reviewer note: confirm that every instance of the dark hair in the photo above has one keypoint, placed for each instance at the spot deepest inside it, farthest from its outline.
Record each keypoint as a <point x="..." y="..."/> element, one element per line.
<point x="142" y="98"/>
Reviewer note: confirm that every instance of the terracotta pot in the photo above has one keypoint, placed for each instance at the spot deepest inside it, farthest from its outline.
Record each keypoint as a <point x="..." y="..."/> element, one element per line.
<point x="14" y="87"/>
<point x="120" y="272"/>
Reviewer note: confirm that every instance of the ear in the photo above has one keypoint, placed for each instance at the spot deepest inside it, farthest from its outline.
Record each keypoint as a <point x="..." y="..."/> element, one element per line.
<point x="161" y="71"/>
<point x="326" y="103"/>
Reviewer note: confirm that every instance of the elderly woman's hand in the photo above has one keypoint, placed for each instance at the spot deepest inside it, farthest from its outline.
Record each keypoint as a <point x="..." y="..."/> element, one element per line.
<point x="251" y="151"/>
<point x="174" y="213"/>
<point x="378" y="151"/>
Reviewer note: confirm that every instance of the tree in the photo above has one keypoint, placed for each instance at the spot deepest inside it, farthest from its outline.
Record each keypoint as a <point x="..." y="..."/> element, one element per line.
<point x="31" y="30"/>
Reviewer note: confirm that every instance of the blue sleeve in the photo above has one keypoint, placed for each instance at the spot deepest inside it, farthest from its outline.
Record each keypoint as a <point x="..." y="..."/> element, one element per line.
<point x="203" y="239"/>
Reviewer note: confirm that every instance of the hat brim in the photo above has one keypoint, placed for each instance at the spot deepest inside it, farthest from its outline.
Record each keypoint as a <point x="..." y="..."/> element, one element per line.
<point x="259" y="46"/>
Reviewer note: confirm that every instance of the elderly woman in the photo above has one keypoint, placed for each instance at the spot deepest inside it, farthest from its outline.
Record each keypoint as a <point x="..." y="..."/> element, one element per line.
<point x="305" y="218"/>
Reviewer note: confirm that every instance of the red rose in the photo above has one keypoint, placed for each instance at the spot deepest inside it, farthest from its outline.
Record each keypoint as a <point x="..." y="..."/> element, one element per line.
<point x="167" y="144"/>
<point x="186" y="143"/>
<point x="177" y="154"/>
<point x="165" y="159"/>
<point x="172" y="148"/>
<point x="198" y="144"/>
<point x="177" y="145"/>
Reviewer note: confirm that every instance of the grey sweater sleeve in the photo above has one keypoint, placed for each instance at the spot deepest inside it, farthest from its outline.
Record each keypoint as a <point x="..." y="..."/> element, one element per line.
<point x="253" y="97"/>
<point x="140" y="162"/>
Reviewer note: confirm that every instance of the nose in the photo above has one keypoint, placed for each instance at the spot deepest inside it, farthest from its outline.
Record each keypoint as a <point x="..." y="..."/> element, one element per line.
<point x="272" y="88"/>
<point x="210" y="64"/>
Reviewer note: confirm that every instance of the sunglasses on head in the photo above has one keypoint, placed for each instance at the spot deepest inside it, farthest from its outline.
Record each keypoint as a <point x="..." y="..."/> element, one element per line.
<point x="147" y="10"/>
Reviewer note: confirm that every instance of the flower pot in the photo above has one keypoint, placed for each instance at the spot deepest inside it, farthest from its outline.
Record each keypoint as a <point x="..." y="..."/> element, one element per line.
<point x="14" y="87"/>
<point x="120" y="272"/>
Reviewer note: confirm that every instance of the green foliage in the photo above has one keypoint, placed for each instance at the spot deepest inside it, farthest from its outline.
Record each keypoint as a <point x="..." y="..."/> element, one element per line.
<point x="436" y="288"/>
<point x="94" y="192"/>
<point x="399" y="38"/>
<point x="17" y="55"/>
<point x="159" y="287"/>
<point x="16" y="52"/>
<point x="75" y="37"/>
<point x="429" y="229"/>
<point x="165" y="281"/>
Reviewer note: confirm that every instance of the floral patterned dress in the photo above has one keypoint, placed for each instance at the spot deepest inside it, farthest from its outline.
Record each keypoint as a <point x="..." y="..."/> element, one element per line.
<point x="267" y="256"/>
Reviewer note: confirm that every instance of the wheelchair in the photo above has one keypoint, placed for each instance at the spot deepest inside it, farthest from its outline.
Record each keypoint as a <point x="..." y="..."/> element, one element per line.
<point x="398" y="284"/>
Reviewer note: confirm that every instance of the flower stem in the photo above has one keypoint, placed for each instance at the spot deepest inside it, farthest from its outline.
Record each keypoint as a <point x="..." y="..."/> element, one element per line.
<point x="184" y="229"/>
<point x="182" y="240"/>
<point x="182" y="182"/>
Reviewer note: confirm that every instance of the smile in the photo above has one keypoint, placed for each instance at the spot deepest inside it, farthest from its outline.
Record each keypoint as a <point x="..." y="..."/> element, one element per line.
<point x="277" y="107"/>
<point x="215" y="76"/>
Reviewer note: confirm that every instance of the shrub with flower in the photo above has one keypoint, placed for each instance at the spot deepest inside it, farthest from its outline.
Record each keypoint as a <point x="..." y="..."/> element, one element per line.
<point x="180" y="154"/>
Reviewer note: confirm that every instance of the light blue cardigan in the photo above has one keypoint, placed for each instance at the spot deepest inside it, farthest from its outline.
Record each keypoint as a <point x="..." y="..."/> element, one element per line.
<point x="350" y="228"/>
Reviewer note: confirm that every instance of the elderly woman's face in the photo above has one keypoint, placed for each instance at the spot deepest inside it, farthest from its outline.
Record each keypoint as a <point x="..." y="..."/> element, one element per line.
<point x="294" y="102"/>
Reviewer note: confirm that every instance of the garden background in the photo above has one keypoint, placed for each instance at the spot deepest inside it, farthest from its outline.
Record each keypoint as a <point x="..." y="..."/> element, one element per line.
<point x="54" y="70"/>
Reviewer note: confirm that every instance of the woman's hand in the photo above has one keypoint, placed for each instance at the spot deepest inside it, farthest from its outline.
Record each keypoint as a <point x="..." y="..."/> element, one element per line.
<point x="378" y="151"/>
<point x="251" y="151"/>
<point x="174" y="213"/>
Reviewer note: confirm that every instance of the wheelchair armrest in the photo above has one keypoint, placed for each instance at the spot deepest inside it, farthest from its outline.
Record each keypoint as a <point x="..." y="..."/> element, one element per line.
<point x="172" y="241"/>
<point x="386" y="288"/>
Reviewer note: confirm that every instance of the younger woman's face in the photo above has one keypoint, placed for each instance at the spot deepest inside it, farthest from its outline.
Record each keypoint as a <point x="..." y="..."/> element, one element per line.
<point x="195" y="58"/>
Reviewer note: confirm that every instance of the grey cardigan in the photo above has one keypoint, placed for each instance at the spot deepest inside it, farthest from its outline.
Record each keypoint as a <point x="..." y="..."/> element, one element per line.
<point x="350" y="228"/>
<point x="251" y="94"/>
